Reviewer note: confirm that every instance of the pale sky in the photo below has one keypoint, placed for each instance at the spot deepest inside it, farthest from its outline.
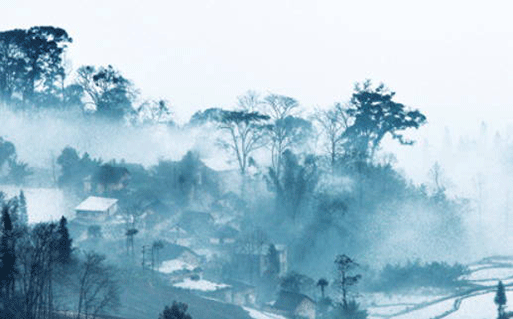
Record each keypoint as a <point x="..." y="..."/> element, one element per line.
<point x="450" y="59"/>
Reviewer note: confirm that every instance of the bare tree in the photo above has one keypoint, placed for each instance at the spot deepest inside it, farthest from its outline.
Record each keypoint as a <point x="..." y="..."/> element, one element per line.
<point x="151" y="112"/>
<point x="245" y="131"/>
<point x="333" y="121"/>
<point x="286" y="130"/>
<point x="37" y="261"/>
<point x="98" y="290"/>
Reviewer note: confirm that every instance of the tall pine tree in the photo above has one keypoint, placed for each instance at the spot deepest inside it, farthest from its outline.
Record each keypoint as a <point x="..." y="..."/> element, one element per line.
<point x="500" y="300"/>
<point x="64" y="242"/>
<point x="7" y="256"/>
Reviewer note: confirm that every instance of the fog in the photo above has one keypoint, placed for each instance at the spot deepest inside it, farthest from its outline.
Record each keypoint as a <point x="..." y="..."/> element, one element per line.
<point x="475" y="166"/>
<point x="244" y="175"/>
<point x="41" y="136"/>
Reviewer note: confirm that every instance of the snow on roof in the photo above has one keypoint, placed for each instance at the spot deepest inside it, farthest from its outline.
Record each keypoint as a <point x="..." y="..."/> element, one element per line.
<point x="170" y="266"/>
<point x="93" y="203"/>
<point x="202" y="285"/>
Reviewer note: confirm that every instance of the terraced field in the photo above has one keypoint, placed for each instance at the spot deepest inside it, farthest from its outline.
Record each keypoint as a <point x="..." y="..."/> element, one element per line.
<point x="475" y="302"/>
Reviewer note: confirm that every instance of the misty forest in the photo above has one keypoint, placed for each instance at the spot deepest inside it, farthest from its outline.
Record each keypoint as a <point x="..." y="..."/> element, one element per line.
<point x="265" y="208"/>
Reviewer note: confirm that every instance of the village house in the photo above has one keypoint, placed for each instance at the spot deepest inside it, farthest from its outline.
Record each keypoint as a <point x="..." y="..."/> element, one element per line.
<point x="179" y="262"/>
<point x="152" y="212"/>
<point x="97" y="208"/>
<point x="241" y="293"/>
<point x="294" y="305"/>
<point x="199" y="225"/>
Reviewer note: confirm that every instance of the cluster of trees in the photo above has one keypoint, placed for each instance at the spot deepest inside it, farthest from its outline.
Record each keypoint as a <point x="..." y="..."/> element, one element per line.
<point x="38" y="267"/>
<point x="353" y="132"/>
<point x="336" y="192"/>
<point x="12" y="170"/>
<point x="32" y="70"/>
<point x="178" y="310"/>
<point x="414" y="275"/>
<point x="74" y="168"/>
<point x="183" y="181"/>
<point x="35" y="73"/>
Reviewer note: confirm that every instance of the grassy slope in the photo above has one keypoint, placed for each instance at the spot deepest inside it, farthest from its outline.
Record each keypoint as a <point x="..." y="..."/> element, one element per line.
<point x="145" y="299"/>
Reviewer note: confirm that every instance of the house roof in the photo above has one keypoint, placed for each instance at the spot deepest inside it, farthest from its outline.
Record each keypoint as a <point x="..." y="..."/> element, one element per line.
<point x="289" y="301"/>
<point x="196" y="222"/>
<point x="94" y="203"/>
<point x="172" y="251"/>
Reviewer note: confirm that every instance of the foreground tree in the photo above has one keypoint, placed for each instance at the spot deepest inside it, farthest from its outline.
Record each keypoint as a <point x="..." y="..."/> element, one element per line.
<point x="98" y="288"/>
<point x="7" y="257"/>
<point x="63" y="242"/>
<point x="177" y="311"/>
<point x="345" y="266"/>
<point x="376" y="115"/>
<point x="500" y="300"/>
<point x="37" y="264"/>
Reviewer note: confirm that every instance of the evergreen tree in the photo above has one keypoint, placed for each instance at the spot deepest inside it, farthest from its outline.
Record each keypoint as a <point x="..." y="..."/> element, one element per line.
<point x="177" y="311"/>
<point x="500" y="300"/>
<point x="63" y="242"/>
<point x="7" y="256"/>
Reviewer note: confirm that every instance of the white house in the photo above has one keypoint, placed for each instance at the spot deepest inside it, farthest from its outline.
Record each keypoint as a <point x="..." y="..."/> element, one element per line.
<point x="97" y="207"/>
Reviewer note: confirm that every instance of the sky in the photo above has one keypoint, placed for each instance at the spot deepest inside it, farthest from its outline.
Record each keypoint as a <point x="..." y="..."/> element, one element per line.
<point x="450" y="59"/>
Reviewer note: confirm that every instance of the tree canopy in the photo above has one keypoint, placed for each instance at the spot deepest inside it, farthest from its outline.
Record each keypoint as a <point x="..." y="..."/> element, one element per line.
<point x="375" y="115"/>
<point x="31" y="63"/>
